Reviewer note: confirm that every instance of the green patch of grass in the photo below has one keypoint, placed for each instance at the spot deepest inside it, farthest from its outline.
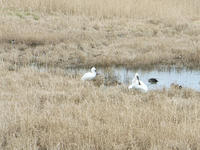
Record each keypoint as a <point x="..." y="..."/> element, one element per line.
<point x="27" y="14"/>
<point x="19" y="15"/>
<point x="35" y="17"/>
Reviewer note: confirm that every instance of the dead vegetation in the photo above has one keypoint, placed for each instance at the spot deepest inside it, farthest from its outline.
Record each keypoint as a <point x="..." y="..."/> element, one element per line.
<point x="106" y="9"/>
<point x="67" y="41"/>
<point x="54" y="110"/>
<point x="51" y="110"/>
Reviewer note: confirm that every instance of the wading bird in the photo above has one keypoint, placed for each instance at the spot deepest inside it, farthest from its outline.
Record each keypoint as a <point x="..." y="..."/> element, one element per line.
<point x="153" y="80"/>
<point x="137" y="84"/>
<point x="89" y="75"/>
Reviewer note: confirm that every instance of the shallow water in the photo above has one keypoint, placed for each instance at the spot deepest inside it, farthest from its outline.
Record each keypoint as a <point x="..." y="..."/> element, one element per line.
<point x="184" y="77"/>
<point x="166" y="76"/>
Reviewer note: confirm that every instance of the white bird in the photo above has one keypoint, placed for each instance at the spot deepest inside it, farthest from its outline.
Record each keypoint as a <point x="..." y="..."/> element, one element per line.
<point x="89" y="75"/>
<point x="137" y="84"/>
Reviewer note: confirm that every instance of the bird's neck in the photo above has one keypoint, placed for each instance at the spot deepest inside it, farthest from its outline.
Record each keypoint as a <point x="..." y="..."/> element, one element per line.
<point x="93" y="72"/>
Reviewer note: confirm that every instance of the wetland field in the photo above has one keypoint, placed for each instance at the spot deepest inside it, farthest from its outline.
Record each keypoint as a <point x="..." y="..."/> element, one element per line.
<point x="45" y="106"/>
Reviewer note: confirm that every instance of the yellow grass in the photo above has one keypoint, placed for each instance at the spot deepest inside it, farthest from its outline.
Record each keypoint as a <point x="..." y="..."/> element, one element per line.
<point x="64" y="41"/>
<point x="53" y="110"/>
<point x="105" y="8"/>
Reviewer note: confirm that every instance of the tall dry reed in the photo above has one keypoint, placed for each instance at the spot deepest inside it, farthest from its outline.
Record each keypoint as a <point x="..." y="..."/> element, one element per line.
<point x="105" y="8"/>
<point x="51" y="110"/>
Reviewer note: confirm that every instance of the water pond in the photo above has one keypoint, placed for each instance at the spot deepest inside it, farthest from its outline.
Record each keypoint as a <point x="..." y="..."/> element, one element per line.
<point x="165" y="76"/>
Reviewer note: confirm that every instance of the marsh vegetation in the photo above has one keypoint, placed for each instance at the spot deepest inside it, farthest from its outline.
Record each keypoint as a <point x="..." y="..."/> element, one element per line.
<point x="54" y="110"/>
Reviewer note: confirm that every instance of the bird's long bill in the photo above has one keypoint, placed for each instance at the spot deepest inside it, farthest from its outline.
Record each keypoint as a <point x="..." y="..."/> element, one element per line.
<point x="97" y="73"/>
<point x="138" y="78"/>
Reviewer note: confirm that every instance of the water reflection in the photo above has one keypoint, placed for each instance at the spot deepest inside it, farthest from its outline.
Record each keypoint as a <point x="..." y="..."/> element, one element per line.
<point x="165" y="76"/>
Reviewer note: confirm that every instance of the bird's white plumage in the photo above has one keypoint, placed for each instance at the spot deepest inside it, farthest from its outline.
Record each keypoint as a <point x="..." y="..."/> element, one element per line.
<point x="89" y="75"/>
<point x="137" y="84"/>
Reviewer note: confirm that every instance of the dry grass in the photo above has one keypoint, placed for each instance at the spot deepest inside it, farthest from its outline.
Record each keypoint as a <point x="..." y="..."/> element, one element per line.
<point x="55" y="111"/>
<point x="65" y="41"/>
<point x="132" y="33"/>
<point x="112" y="8"/>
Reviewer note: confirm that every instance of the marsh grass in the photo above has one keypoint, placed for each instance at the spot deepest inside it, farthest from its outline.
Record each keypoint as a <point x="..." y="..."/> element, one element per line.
<point x="50" y="33"/>
<point x="107" y="9"/>
<point x="54" y="110"/>
<point x="51" y="110"/>
<point x="71" y="41"/>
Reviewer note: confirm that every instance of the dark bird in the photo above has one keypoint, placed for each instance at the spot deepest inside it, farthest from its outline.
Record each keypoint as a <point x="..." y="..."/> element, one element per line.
<point x="153" y="80"/>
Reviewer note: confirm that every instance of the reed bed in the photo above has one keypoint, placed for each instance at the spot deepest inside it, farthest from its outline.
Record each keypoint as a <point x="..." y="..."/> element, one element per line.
<point x="52" y="109"/>
<point x="112" y="8"/>
<point x="71" y="41"/>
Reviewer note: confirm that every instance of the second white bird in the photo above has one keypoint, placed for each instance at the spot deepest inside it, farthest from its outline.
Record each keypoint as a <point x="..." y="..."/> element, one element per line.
<point x="138" y="84"/>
